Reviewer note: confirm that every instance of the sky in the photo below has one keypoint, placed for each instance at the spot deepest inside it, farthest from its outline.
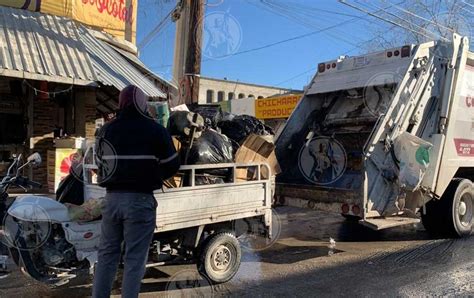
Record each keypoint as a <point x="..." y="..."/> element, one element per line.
<point x="249" y="53"/>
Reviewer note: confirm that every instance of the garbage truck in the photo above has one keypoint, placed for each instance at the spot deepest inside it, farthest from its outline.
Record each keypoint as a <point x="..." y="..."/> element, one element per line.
<point x="387" y="138"/>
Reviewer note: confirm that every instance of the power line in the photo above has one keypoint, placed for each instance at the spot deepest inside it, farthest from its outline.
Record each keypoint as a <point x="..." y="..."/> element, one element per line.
<point x="301" y="16"/>
<point x="296" y="76"/>
<point x="275" y="43"/>
<point x="387" y="20"/>
<point x="410" y="23"/>
<point x="468" y="4"/>
<point x="307" y="8"/>
<point x="420" y="17"/>
<point x="150" y="36"/>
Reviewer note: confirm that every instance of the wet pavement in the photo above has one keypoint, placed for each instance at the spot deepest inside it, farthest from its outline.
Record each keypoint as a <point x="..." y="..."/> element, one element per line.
<point x="396" y="262"/>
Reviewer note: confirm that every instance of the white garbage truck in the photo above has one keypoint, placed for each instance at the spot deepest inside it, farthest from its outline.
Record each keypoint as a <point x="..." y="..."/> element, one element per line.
<point x="387" y="138"/>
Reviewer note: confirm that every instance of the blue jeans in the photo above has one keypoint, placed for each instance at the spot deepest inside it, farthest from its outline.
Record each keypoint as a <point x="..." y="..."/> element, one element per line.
<point x="128" y="218"/>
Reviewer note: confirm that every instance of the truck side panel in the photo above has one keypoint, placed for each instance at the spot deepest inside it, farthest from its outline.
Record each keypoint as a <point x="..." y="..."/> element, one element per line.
<point x="459" y="145"/>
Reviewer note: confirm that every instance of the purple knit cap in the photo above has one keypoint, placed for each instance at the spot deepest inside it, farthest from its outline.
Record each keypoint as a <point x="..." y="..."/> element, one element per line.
<point x="132" y="95"/>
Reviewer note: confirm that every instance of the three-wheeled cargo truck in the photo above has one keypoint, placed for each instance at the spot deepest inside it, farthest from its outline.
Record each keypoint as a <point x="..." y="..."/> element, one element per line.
<point x="388" y="138"/>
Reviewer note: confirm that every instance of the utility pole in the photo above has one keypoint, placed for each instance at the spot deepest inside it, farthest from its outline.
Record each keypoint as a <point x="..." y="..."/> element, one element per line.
<point x="188" y="42"/>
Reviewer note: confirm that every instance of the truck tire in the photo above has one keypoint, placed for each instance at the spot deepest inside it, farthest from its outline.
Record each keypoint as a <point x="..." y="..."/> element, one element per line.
<point x="220" y="258"/>
<point x="452" y="215"/>
<point x="460" y="208"/>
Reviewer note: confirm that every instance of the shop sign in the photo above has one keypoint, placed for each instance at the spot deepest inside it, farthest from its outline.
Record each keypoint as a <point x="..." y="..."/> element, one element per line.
<point x="117" y="17"/>
<point x="276" y="107"/>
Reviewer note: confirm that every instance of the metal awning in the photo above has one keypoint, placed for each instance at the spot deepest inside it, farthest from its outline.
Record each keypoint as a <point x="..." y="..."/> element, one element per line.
<point x="113" y="69"/>
<point x="42" y="47"/>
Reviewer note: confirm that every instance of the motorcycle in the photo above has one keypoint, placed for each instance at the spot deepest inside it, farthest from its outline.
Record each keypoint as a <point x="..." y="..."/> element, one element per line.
<point x="40" y="235"/>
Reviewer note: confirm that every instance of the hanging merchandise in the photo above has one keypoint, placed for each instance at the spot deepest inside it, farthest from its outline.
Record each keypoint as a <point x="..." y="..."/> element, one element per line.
<point x="43" y="94"/>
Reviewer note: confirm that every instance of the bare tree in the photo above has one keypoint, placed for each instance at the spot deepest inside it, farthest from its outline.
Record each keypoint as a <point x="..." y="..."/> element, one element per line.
<point x="418" y="21"/>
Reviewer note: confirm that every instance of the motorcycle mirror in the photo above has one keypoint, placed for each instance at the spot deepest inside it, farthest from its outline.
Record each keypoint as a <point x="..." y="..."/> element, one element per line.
<point x="34" y="159"/>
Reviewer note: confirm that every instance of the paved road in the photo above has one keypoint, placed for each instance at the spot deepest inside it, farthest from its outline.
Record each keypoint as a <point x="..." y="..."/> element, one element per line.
<point x="396" y="262"/>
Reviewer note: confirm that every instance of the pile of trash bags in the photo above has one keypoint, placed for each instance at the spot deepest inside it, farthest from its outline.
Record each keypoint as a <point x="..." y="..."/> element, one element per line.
<point x="209" y="136"/>
<point x="216" y="135"/>
<point x="238" y="128"/>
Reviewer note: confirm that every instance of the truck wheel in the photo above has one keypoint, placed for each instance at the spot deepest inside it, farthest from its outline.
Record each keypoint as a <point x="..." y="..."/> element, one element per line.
<point x="220" y="258"/>
<point x="460" y="216"/>
<point x="452" y="215"/>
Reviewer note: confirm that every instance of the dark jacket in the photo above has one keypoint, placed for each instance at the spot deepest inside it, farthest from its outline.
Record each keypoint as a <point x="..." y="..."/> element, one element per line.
<point x="134" y="154"/>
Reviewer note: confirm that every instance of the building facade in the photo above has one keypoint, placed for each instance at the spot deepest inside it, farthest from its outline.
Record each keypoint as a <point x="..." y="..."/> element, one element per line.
<point x="57" y="78"/>
<point x="217" y="90"/>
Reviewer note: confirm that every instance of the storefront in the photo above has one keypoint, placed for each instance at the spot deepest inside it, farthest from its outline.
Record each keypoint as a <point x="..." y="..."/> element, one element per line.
<point x="56" y="79"/>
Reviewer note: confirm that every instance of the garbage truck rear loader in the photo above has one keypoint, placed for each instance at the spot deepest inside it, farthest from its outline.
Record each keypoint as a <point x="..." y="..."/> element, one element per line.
<point x="387" y="137"/>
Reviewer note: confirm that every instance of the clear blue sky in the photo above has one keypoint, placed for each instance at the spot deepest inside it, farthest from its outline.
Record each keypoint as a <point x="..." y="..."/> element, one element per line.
<point x="289" y="64"/>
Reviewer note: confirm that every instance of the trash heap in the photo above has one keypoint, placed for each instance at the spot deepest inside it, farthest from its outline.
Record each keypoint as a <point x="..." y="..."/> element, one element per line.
<point x="206" y="135"/>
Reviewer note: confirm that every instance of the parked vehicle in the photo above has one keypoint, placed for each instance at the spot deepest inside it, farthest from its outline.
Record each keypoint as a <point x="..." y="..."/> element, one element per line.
<point x="388" y="138"/>
<point x="195" y="224"/>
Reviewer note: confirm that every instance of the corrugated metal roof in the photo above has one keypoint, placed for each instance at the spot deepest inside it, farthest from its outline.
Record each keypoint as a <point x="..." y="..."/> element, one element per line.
<point x="113" y="69"/>
<point x="35" y="45"/>
<point x="44" y="47"/>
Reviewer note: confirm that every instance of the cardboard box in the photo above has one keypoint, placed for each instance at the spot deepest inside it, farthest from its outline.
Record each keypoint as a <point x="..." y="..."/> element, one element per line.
<point x="173" y="182"/>
<point x="177" y="144"/>
<point x="253" y="150"/>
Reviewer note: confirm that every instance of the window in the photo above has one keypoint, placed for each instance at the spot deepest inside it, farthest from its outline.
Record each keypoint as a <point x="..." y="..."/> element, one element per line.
<point x="209" y="96"/>
<point x="230" y="96"/>
<point x="251" y="95"/>
<point x="241" y="95"/>
<point x="260" y="97"/>
<point x="220" y="96"/>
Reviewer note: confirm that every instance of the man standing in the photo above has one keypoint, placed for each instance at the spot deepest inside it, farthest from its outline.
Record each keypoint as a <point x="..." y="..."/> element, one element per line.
<point x="135" y="154"/>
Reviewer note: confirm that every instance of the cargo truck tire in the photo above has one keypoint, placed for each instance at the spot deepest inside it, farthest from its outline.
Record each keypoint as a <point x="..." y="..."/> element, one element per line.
<point x="220" y="258"/>
<point x="460" y="208"/>
<point x="452" y="215"/>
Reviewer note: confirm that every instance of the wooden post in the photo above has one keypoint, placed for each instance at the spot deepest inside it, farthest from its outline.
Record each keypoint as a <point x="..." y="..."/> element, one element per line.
<point x="192" y="70"/>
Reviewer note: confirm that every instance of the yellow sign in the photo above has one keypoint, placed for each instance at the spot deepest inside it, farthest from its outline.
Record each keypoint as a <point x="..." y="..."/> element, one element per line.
<point x="276" y="107"/>
<point x="117" y="17"/>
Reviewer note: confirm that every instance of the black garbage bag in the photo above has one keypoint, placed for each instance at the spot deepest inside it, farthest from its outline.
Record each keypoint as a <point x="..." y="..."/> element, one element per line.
<point x="211" y="148"/>
<point x="241" y="126"/>
<point x="71" y="189"/>
<point x="207" y="179"/>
